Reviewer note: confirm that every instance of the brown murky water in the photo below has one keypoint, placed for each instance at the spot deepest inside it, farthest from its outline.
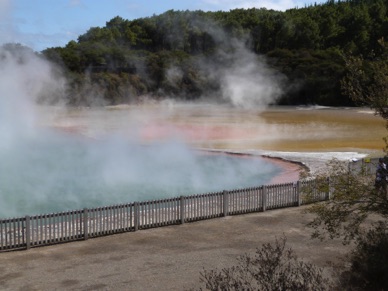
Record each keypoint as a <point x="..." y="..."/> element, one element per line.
<point x="219" y="127"/>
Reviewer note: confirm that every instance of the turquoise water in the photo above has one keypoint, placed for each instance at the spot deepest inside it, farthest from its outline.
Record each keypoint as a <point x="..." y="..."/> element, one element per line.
<point x="56" y="172"/>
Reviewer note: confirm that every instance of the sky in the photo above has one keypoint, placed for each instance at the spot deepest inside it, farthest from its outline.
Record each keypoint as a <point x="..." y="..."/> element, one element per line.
<point x="40" y="24"/>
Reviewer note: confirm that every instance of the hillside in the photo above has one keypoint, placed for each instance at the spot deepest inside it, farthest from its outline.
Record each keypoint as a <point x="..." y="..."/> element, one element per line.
<point x="244" y="56"/>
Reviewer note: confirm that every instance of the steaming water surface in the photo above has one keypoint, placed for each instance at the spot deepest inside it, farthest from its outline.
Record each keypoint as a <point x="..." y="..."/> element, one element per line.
<point x="223" y="127"/>
<point x="53" y="159"/>
<point x="81" y="158"/>
<point x="60" y="171"/>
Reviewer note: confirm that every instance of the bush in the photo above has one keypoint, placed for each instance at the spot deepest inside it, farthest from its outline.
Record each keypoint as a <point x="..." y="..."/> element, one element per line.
<point x="272" y="267"/>
<point x="369" y="268"/>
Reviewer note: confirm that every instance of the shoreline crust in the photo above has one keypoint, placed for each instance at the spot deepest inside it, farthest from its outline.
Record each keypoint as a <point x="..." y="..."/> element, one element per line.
<point x="290" y="170"/>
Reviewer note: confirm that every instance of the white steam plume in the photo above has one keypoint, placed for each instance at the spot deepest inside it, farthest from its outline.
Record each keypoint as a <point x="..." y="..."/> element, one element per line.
<point x="44" y="170"/>
<point x="43" y="167"/>
<point x="24" y="78"/>
<point x="248" y="82"/>
<point x="244" y="77"/>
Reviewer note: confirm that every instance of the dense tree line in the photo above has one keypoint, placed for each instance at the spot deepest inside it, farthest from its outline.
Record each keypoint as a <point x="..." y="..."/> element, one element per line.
<point x="173" y="54"/>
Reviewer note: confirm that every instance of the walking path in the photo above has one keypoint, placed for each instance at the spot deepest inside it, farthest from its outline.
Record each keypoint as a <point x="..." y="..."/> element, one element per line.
<point x="166" y="258"/>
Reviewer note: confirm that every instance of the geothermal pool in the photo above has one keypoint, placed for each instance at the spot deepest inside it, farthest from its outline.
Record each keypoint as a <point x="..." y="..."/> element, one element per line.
<point x="66" y="159"/>
<point x="279" y="128"/>
<point x="54" y="159"/>
<point x="56" y="171"/>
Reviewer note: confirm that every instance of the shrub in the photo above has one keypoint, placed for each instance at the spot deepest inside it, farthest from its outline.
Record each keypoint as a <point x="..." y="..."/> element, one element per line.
<point x="272" y="267"/>
<point x="369" y="268"/>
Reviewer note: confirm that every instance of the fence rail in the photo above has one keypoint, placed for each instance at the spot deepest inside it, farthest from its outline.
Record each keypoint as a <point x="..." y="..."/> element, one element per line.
<point x="47" y="229"/>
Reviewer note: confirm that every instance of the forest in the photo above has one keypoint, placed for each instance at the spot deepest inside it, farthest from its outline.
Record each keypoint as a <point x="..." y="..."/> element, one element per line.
<point x="194" y="55"/>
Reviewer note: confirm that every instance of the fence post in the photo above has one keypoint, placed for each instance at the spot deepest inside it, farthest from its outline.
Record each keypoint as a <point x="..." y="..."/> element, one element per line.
<point x="226" y="202"/>
<point x="298" y="196"/>
<point x="28" y="232"/>
<point x="264" y="197"/>
<point x="182" y="209"/>
<point x="136" y="215"/>
<point x="86" y="218"/>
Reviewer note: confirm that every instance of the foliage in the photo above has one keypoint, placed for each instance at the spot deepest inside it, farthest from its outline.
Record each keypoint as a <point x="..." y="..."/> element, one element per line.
<point x="15" y="49"/>
<point x="367" y="77"/>
<point x="368" y="260"/>
<point x="272" y="267"/>
<point x="356" y="200"/>
<point x="357" y="212"/>
<point x="353" y="198"/>
<point x="313" y="71"/>
<point x="311" y="38"/>
<point x="366" y="81"/>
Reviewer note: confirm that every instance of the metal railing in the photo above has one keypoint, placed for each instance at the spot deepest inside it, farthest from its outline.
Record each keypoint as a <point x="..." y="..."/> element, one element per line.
<point x="47" y="229"/>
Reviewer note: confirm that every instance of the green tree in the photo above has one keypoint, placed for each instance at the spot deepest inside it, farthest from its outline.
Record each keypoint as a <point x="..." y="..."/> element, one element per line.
<point x="366" y="81"/>
<point x="353" y="198"/>
<point x="357" y="209"/>
<point x="313" y="37"/>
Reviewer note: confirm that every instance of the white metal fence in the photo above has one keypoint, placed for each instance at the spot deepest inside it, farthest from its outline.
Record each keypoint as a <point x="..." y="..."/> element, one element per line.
<point x="46" y="229"/>
<point x="39" y="230"/>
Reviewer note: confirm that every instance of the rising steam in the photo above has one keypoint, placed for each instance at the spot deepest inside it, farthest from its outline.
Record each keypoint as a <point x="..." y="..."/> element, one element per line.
<point x="24" y="78"/>
<point x="45" y="170"/>
<point x="248" y="82"/>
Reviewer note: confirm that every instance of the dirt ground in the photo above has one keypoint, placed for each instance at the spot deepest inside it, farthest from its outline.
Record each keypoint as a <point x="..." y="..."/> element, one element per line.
<point x="166" y="258"/>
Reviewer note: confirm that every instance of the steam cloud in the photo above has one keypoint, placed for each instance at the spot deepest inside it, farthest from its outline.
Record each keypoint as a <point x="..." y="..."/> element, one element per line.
<point x="246" y="81"/>
<point x="249" y="82"/>
<point x="244" y="78"/>
<point x="44" y="169"/>
<point x="24" y="77"/>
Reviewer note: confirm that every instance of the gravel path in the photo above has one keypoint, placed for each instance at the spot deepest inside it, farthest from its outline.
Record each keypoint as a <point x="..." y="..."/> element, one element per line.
<point x="167" y="258"/>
